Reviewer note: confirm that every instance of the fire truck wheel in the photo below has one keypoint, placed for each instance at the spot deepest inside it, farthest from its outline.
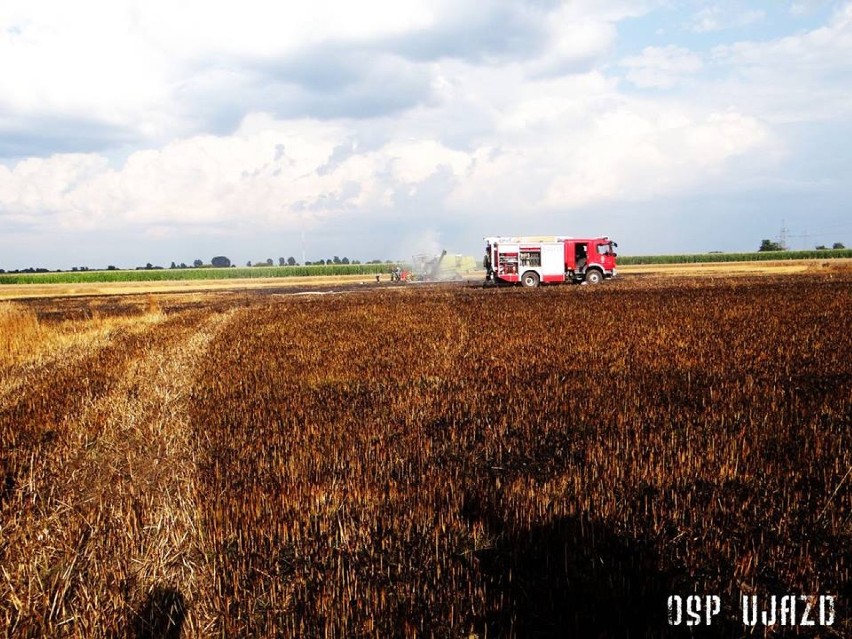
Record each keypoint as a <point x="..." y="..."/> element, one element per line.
<point x="594" y="276"/>
<point x="530" y="279"/>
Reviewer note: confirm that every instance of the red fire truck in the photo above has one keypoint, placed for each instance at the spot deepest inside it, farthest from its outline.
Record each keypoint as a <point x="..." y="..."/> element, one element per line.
<point x="545" y="259"/>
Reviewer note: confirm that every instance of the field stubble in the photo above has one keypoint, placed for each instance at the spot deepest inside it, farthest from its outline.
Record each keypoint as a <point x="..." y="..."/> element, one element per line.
<point x="425" y="462"/>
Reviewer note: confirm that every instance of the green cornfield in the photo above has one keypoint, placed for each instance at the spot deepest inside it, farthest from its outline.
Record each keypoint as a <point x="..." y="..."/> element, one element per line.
<point x="156" y="275"/>
<point x="627" y="260"/>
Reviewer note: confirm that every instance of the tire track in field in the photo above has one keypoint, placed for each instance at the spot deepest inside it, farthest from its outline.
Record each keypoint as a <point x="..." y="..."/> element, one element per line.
<point x="154" y="454"/>
<point x="168" y="562"/>
<point x="116" y="538"/>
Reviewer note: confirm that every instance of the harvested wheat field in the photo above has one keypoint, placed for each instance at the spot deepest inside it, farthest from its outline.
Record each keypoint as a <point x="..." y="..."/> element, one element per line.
<point x="427" y="461"/>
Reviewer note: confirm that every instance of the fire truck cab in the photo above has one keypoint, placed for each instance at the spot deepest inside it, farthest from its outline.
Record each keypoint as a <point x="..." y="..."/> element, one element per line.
<point x="534" y="260"/>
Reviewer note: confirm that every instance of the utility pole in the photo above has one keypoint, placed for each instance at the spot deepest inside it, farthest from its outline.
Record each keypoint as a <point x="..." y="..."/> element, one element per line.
<point x="303" y="238"/>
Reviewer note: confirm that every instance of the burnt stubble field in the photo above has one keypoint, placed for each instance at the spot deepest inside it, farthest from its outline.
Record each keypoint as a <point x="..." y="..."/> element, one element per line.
<point x="426" y="461"/>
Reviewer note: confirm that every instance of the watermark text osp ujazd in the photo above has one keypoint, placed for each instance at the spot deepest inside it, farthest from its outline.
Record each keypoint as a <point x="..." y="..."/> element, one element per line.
<point x="781" y="610"/>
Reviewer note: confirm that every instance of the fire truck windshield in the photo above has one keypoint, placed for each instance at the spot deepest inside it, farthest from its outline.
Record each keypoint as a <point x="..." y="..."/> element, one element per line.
<point x="607" y="249"/>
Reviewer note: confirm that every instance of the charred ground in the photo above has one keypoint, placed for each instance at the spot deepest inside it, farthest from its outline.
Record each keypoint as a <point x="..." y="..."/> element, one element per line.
<point x="424" y="461"/>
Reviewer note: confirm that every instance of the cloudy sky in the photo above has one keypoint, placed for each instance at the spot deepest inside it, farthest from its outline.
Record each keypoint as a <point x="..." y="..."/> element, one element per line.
<point x="136" y="131"/>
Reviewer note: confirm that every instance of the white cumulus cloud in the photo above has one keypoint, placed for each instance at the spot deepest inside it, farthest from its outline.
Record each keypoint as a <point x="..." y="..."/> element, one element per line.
<point x="661" y="67"/>
<point x="191" y="119"/>
<point x="724" y="16"/>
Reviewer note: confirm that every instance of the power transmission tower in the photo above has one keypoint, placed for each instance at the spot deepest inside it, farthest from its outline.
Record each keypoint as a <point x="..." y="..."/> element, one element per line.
<point x="782" y="236"/>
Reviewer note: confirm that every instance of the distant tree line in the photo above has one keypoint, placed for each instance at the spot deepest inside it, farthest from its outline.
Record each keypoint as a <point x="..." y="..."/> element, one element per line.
<point x="769" y="245"/>
<point x="220" y="261"/>
<point x="291" y="261"/>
